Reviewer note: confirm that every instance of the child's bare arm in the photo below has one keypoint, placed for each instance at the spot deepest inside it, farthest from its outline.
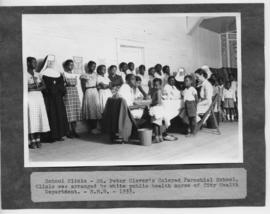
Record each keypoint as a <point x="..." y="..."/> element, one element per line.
<point x="142" y="91"/>
<point x="159" y="95"/>
<point x="83" y="82"/>
<point x="196" y="98"/>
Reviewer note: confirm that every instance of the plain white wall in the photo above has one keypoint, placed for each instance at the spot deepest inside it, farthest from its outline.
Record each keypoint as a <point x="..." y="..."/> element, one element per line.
<point x="94" y="37"/>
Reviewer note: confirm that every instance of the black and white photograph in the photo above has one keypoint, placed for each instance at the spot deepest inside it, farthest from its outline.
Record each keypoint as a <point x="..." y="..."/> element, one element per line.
<point x="134" y="104"/>
<point x="131" y="89"/>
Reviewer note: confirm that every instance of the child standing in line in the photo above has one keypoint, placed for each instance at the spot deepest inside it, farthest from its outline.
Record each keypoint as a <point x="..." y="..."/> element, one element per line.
<point x="228" y="100"/>
<point x="37" y="115"/>
<point x="145" y="78"/>
<point x="151" y="74"/>
<point x="90" y="97"/>
<point x="104" y="86"/>
<point x="190" y="100"/>
<point x="159" y="73"/>
<point x="131" y="68"/>
<point x="220" y="87"/>
<point x="123" y="67"/>
<point x="71" y="98"/>
<point x="156" y="110"/>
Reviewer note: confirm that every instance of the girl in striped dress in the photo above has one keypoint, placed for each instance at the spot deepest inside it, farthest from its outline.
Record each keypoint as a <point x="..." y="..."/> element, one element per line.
<point x="71" y="98"/>
<point x="37" y="115"/>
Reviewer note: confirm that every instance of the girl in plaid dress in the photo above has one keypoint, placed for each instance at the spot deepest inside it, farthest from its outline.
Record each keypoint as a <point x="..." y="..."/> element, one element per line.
<point x="37" y="115"/>
<point x="71" y="98"/>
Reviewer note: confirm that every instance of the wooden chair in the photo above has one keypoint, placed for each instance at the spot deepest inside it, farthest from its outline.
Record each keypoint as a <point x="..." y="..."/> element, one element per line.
<point x="210" y="111"/>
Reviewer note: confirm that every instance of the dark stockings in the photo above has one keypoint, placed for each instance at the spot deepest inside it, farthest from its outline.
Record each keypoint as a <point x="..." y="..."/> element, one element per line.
<point x="72" y="129"/>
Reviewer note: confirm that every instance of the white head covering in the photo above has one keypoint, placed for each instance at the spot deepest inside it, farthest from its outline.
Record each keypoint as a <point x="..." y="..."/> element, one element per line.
<point x="180" y="75"/>
<point x="207" y="70"/>
<point x="48" y="69"/>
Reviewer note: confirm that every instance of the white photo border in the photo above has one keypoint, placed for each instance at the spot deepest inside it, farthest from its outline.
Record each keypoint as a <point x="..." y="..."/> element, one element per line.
<point x="28" y="163"/>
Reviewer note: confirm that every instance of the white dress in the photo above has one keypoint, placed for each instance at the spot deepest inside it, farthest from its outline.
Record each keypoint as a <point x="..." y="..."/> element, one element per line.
<point x="90" y="105"/>
<point x="145" y="80"/>
<point x="206" y="94"/>
<point x="157" y="111"/>
<point x="104" y="94"/>
<point x="170" y="92"/>
<point x="37" y="114"/>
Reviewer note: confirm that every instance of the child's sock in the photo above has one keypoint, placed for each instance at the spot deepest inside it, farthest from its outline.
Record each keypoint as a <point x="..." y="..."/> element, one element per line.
<point x="232" y="117"/>
<point x="228" y="117"/>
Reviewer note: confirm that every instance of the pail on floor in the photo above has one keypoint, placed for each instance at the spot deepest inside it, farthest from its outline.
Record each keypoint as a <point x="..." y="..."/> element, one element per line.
<point x="145" y="136"/>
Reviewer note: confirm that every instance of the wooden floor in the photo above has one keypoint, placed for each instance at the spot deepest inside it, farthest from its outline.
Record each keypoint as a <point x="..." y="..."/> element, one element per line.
<point x="205" y="147"/>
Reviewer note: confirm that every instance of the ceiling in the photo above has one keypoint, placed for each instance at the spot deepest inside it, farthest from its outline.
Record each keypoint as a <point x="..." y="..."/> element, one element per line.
<point x="220" y="24"/>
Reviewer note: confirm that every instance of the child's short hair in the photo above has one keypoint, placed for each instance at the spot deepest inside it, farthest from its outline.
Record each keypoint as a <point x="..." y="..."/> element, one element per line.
<point x="138" y="78"/>
<point x="142" y="67"/>
<point x="130" y="63"/>
<point x="228" y="83"/>
<point x="91" y="63"/>
<point x="99" y="68"/>
<point x="171" y="77"/>
<point x="67" y="62"/>
<point x="112" y="66"/>
<point x="220" y="80"/>
<point x="30" y="59"/>
<point x="121" y="65"/>
<point x="189" y="77"/>
<point x="165" y="67"/>
<point x="128" y="77"/>
<point x="201" y="72"/>
<point x="151" y="68"/>
<point x="158" y="65"/>
<point x="157" y="80"/>
<point x="212" y="81"/>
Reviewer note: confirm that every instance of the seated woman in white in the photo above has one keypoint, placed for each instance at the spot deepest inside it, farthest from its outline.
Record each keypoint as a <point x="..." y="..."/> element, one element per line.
<point x="170" y="92"/>
<point x="127" y="92"/>
<point x="206" y="92"/>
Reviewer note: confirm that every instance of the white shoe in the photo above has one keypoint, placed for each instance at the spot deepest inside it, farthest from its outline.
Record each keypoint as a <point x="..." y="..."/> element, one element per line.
<point x="95" y="131"/>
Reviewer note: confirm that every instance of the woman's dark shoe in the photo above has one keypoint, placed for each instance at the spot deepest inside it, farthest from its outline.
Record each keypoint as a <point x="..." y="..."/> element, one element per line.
<point x="32" y="145"/>
<point x="76" y="135"/>
<point x="69" y="135"/>
<point x="51" y="140"/>
<point x="60" y="139"/>
<point x="38" y="144"/>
